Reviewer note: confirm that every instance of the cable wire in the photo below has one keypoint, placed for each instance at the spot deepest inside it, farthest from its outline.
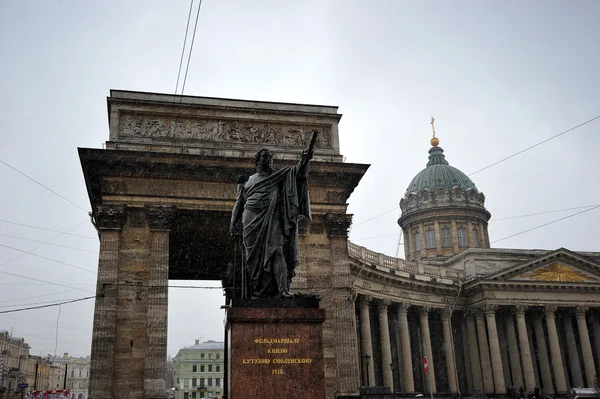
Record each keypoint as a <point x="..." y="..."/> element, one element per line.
<point x="535" y="145"/>
<point x="48" y="306"/>
<point x="545" y="224"/>
<point x="43" y="281"/>
<point x="184" y="42"/>
<point x="46" y="229"/>
<point x="45" y="257"/>
<point x="191" y="49"/>
<point x="39" y="246"/>
<point x="46" y="187"/>
<point x="543" y="213"/>
<point x="48" y="243"/>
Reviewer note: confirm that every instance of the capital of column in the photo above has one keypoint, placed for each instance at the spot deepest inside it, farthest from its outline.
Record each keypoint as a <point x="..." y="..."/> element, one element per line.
<point x="469" y="314"/>
<point x="403" y="308"/>
<point x="550" y="311"/>
<point x="520" y="310"/>
<point x="383" y="305"/>
<point x="446" y="314"/>
<point x="160" y="217"/>
<point x="109" y="217"/>
<point x="337" y="224"/>
<point x="424" y="311"/>
<point x="365" y="299"/>
<point x="490" y="310"/>
<point x="581" y="311"/>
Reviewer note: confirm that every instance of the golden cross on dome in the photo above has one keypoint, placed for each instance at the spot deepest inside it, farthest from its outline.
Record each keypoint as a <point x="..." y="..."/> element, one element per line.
<point x="434" y="141"/>
<point x="433" y="126"/>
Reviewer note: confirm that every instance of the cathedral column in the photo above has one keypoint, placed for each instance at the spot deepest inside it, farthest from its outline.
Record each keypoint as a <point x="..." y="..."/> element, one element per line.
<point x="572" y="352"/>
<point x="545" y="371"/>
<point x="498" y="373"/>
<point x="586" y="347"/>
<point x="155" y="367"/>
<point x="595" y="324"/>
<point x="474" y="352"/>
<point x="557" y="363"/>
<point x="386" y="348"/>
<point x="513" y="351"/>
<point x="408" y="382"/>
<point x="484" y="353"/>
<point x="466" y="353"/>
<point x="426" y="337"/>
<point x="109" y="220"/>
<point x="365" y="338"/>
<point x="448" y="351"/>
<point x="526" y="359"/>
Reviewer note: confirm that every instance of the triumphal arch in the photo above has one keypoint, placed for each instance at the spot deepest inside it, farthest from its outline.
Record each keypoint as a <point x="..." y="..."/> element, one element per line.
<point x="162" y="191"/>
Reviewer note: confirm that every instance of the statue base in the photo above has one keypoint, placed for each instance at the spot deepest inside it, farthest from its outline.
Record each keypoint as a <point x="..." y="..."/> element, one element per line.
<point x="275" y="349"/>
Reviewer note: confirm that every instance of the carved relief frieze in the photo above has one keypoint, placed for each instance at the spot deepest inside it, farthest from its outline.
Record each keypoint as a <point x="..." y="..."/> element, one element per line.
<point x="221" y="130"/>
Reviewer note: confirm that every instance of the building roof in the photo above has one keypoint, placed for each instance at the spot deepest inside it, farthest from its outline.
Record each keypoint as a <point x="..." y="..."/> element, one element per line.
<point x="207" y="345"/>
<point x="439" y="174"/>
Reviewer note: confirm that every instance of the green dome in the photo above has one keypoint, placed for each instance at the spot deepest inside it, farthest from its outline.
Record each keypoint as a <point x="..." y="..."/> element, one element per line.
<point x="439" y="173"/>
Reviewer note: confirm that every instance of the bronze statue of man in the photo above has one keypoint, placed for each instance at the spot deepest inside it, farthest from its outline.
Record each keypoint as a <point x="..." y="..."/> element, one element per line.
<point x="268" y="205"/>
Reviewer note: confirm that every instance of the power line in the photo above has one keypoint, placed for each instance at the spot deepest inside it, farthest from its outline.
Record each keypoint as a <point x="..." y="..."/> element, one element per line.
<point x="46" y="187"/>
<point x="191" y="48"/>
<point x="39" y="246"/>
<point x="46" y="229"/>
<point x="546" y="224"/>
<point x="47" y="306"/>
<point x="43" y="281"/>
<point x="543" y="213"/>
<point x="48" y="243"/>
<point x="375" y="217"/>
<point x="45" y="257"/>
<point x="37" y="296"/>
<point x="184" y="42"/>
<point x="535" y="145"/>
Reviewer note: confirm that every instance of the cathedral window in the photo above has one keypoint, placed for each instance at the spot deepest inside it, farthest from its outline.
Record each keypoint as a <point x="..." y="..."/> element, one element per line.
<point x="446" y="238"/>
<point x="475" y="238"/>
<point x="417" y="241"/>
<point x="462" y="237"/>
<point x="430" y="235"/>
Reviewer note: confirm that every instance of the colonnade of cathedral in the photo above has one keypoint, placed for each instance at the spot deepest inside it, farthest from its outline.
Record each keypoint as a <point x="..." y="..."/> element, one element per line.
<point x="488" y="348"/>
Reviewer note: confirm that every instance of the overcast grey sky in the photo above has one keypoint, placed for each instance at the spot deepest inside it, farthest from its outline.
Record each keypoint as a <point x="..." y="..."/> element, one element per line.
<point x="498" y="76"/>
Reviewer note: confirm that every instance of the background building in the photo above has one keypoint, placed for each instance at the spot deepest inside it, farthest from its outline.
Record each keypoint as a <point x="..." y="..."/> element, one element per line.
<point x="198" y="370"/>
<point x="16" y="354"/>
<point x="77" y="373"/>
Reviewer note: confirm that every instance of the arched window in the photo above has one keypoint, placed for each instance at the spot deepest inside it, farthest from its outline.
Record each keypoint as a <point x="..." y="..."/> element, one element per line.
<point x="462" y="237"/>
<point x="430" y="236"/>
<point x="446" y="238"/>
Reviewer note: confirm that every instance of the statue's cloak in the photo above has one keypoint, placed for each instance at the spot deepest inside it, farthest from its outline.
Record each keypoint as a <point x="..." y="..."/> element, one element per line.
<point x="270" y="220"/>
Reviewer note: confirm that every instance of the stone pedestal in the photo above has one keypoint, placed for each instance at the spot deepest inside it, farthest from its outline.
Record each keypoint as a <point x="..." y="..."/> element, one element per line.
<point x="275" y="349"/>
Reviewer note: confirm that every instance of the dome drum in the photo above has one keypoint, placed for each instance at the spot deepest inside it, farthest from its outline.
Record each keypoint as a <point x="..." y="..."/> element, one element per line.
<point x="443" y="213"/>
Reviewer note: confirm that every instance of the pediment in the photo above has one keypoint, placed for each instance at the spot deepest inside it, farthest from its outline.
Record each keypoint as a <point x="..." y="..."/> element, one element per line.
<point x="560" y="266"/>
